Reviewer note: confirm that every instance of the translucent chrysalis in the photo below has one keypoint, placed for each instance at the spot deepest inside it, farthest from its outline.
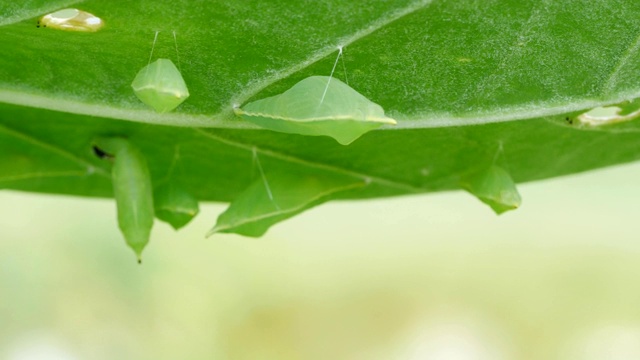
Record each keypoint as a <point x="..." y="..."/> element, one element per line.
<point x="160" y="85"/>
<point x="71" y="20"/>
<point x="494" y="187"/>
<point x="132" y="190"/>
<point x="608" y="115"/>
<point x="318" y="105"/>
<point x="174" y="204"/>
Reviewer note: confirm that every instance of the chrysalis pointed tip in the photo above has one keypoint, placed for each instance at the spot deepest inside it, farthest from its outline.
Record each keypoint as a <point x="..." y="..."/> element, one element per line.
<point x="211" y="232"/>
<point x="500" y="209"/>
<point x="391" y="121"/>
<point x="139" y="258"/>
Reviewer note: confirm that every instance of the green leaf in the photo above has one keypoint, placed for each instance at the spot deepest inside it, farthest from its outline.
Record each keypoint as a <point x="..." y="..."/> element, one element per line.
<point x="174" y="204"/>
<point x="520" y="72"/>
<point x="279" y="196"/>
<point x="318" y="105"/>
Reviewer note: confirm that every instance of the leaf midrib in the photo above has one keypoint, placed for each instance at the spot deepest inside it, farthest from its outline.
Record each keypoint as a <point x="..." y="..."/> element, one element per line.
<point x="226" y="120"/>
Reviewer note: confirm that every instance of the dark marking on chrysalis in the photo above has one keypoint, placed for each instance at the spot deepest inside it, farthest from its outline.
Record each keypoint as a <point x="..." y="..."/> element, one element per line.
<point x="101" y="153"/>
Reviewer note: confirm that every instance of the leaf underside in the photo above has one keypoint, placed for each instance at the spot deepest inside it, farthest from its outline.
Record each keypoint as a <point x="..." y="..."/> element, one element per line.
<point x="520" y="72"/>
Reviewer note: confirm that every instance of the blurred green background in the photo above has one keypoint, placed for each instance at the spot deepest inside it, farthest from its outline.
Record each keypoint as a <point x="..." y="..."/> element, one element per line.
<point x="436" y="277"/>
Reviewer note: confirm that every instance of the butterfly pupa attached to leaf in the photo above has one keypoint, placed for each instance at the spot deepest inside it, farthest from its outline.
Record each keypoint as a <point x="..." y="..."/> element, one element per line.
<point x="316" y="106"/>
<point x="494" y="187"/>
<point x="132" y="190"/>
<point x="71" y="20"/>
<point x="174" y="204"/>
<point x="277" y="196"/>
<point x="344" y="114"/>
<point x="160" y="84"/>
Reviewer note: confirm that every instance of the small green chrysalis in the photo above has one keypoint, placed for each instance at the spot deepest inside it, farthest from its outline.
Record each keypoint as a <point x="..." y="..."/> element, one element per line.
<point x="132" y="190"/>
<point x="71" y="20"/>
<point x="318" y="105"/>
<point x="494" y="187"/>
<point x="174" y="204"/>
<point x="160" y="85"/>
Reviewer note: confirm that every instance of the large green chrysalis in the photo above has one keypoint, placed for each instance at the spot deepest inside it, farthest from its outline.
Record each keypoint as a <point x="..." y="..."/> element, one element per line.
<point x="318" y="105"/>
<point x="174" y="204"/>
<point x="132" y="190"/>
<point x="494" y="187"/>
<point x="160" y="85"/>
<point x="71" y="20"/>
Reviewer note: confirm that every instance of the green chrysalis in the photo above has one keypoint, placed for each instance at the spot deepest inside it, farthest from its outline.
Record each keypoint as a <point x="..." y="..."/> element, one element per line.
<point x="71" y="20"/>
<point x="261" y="206"/>
<point x="174" y="204"/>
<point x="160" y="85"/>
<point x="494" y="187"/>
<point x="318" y="105"/>
<point x="132" y="190"/>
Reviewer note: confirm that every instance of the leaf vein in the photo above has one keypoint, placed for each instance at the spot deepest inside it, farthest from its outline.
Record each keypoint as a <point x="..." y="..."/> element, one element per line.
<point x="255" y="87"/>
<point x="624" y="60"/>
<point x="318" y="165"/>
<point x="42" y="175"/>
<point x="498" y="75"/>
<point x="90" y="168"/>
